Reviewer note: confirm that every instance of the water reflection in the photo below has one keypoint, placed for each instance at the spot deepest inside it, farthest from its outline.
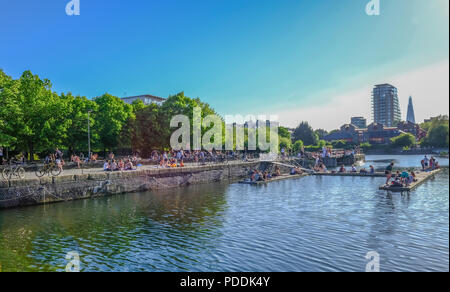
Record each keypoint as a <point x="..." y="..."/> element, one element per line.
<point x="307" y="224"/>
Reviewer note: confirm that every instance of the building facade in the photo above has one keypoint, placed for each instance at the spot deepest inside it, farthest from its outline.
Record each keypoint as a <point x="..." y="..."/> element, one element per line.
<point x="147" y="99"/>
<point x="412" y="128"/>
<point x="385" y="105"/>
<point x="374" y="134"/>
<point x="359" y="122"/>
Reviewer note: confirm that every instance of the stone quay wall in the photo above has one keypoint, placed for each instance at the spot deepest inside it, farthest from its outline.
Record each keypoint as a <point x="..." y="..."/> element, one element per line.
<point x="19" y="193"/>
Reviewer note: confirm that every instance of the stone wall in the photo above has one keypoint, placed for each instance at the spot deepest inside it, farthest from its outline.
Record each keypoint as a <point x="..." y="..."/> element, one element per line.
<point x="17" y="193"/>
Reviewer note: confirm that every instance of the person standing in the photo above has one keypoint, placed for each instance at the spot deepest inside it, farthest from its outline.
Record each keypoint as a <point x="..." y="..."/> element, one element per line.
<point x="388" y="172"/>
<point x="426" y="161"/>
<point x="59" y="159"/>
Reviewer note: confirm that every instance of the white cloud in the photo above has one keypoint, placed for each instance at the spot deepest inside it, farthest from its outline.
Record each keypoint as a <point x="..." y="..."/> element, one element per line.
<point x="429" y="87"/>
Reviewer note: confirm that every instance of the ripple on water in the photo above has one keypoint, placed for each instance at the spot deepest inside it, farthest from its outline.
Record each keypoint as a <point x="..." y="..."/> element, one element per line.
<point x="308" y="224"/>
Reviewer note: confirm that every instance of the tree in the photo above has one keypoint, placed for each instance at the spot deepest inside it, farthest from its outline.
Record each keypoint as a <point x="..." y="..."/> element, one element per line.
<point x="298" y="145"/>
<point x="284" y="133"/>
<point x="339" y="144"/>
<point x="147" y="130"/>
<point x="38" y="120"/>
<point x="321" y="133"/>
<point x="442" y="119"/>
<point x="438" y="136"/>
<point x="180" y="104"/>
<point x="305" y="133"/>
<point x="285" y="143"/>
<point x="111" y="115"/>
<point x="8" y="105"/>
<point x="76" y="116"/>
<point x="404" y="140"/>
<point x="365" y="146"/>
<point x="321" y="143"/>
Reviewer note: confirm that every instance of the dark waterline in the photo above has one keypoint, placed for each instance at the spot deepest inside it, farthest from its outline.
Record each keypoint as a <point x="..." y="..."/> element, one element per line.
<point x="307" y="224"/>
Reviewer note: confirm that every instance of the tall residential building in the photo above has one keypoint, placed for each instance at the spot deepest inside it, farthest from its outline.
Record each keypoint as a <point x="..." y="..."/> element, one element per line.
<point x="385" y="105"/>
<point x="359" y="122"/>
<point x="410" y="117"/>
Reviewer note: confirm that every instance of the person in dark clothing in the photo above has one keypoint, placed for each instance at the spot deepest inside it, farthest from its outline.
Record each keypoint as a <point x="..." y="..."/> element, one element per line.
<point x="388" y="172"/>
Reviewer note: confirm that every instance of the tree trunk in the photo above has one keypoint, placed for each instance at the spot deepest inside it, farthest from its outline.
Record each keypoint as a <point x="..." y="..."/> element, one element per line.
<point x="31" y="152"/>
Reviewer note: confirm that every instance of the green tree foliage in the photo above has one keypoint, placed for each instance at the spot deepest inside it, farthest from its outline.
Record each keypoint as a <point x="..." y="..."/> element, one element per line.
<point x="147" y="130"/>
<point x="76" y="116"/>
<point x="284" y="133"/>
<point x="8" y="105"/>
<point x="321" y="133"/>
<point x="339" y="144"/>
<point x="305" y="133"/>
<point x="438" y="132"/>
<point x="404" y="140"/>
<point x="285" y="143"/>
<point x="31" y="113"/>
<point x="111" y="116"/>
<point x="366" y="146"/>
<point x="180" y="104"/>
<point x="442" y="119"/>
<point x="437" y="136"/>
<point x="298" y="145"/>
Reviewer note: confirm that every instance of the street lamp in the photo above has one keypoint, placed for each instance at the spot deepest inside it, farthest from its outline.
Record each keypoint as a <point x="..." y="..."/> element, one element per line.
<point x="89" y="135"/>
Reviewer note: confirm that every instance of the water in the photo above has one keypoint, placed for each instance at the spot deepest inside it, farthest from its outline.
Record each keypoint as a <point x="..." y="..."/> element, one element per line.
<point x="307" y="224"/>
<point x="381" y="161"/>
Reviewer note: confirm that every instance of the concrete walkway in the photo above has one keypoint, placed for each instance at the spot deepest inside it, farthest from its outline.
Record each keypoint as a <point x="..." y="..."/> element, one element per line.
<point x="73" y="171"/>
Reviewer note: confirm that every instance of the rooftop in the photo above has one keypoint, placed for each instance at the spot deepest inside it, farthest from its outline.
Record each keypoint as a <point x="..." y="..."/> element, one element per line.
<point x="157" y="98"/>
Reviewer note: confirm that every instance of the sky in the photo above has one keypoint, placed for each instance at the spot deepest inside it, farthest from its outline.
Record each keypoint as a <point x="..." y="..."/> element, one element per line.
<point x="297" y="59"/>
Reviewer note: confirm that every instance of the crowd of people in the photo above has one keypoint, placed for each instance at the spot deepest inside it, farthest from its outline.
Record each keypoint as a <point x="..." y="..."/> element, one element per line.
<point x="429" y="164"/>
<point x="399" y="179"/>
<point x="258" y="175"/>
<point x="120" y="165"/>
<point x="178" y="158"/>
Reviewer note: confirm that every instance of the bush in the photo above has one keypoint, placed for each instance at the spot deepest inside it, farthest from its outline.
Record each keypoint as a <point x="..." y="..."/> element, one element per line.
<point x="404" y="140"/>
<point x="297" y="146"/>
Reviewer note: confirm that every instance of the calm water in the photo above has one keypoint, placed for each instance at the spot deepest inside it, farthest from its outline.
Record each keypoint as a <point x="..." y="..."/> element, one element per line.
<point x="308" y="224"/>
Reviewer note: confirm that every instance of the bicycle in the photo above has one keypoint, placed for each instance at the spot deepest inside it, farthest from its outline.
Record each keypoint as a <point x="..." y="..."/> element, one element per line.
<point x="50" y="168"/>
<point x="11" y="171"/>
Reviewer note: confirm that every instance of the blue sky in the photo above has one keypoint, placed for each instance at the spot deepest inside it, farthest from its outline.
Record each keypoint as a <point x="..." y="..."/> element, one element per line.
<point x="241" y="56"/>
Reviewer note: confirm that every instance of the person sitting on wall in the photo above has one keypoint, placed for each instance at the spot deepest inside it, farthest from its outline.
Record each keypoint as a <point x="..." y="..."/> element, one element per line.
<point x="260" y="176"/>
<point x="121" y="165"/>
<point x="106" y="166"/>
<point x="129" y="165"/>
<point x="354" y="169"/>
<point x="342" y="169"/>
<point x="114" y="166"/>
<point x="372" y="170"/>
<point x="436" y="165"/>
<point x="277" y="172"/>
<point x="363" y="171"/>
<point x="323" y="168"/>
